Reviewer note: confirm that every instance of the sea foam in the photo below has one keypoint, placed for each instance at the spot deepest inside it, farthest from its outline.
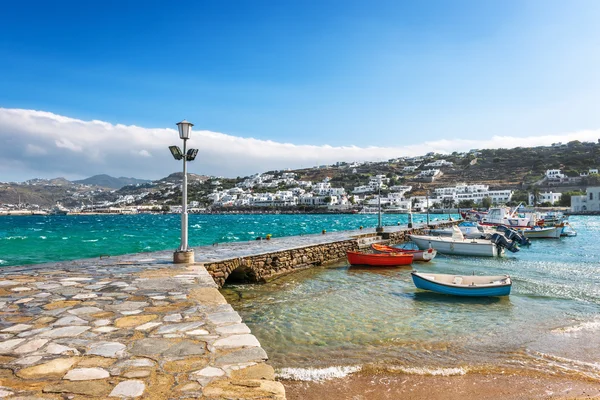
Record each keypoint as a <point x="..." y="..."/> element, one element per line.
<point x="316" y="374"/>
<point x="431" y="371"/>
<point x="584" y="326"/>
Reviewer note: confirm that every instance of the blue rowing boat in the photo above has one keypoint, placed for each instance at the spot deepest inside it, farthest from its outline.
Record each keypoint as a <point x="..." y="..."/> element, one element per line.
<point x="463" y="285"/>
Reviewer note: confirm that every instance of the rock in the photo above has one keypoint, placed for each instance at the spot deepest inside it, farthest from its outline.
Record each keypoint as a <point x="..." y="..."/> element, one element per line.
<point x="90" y="388"/>
<point x="127" y="306"/>
<point x="233" y="329"/>
<point x="185" y="348"/>
<point x="251" y="354"/>
<point x="173" y="318"/>
<point x="209" y="372"/>
<point x="258" y="371"/>
<point x="148" y="326"/>
<point x="54" y="348"/>
<point x="224" y="318"/>
<point x="52" y="369"/>
<point x="28" y="360"/>
<point x="67" y="331"/>
<point x="84" y="310"/>
<point x="107" y="349"/>
<point x="118" y="368"/>
<point x="166" y="347"/>
<point x="178" y="327"/>
<point x="61" y="304"/>
<point x="207" y="296"/>
<point x="138" y="373"/>
<point x="86" y="374"/>
<point x="101" y="322"/>
<point x="134" y="320"/>
<point x="8" y="345"/>
<point x="30" y="346"/>
<point x="128" y="389"/>
<point x="197" y="332"/>
<point x="70" y="320"/>
<point x="85" y="296"/>
<point x="105" y="329"/>
<point x="17" y="328"/>
<point x="5" y="393"/>
<point x="237" y="341"/>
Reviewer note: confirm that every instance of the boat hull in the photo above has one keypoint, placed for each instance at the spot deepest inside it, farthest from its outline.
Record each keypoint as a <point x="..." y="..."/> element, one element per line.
<point x="457" y="290"/>
<point x="543" y="233"/>
<point x="418" y="255"/>
<point x="477" y="248"/>
<point x="379" y="260"/>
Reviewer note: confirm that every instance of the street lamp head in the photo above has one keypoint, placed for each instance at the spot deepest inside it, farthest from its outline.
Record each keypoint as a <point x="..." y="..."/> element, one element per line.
<point x="176" y="151"/>
<point x="191" y="154"/>
<point x="185" y="128"/>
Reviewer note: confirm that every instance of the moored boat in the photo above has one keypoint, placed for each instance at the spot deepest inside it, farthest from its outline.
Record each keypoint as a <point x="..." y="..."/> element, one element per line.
<point x="379" y="260"/>
<point x="463" y="285"/>
<point x="538" y="232"/>
<point x="418" y="254"/>
<point x="458" y="245"/>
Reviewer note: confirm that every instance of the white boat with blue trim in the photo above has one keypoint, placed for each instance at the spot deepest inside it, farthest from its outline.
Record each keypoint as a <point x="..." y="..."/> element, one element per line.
<point x="463" y="285"/>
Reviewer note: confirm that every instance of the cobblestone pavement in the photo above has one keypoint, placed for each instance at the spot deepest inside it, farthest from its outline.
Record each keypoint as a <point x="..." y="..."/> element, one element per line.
<point x="125" y="327"/>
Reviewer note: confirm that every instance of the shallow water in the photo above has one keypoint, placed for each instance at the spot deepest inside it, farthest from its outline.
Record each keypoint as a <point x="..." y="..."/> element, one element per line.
<point x="350" y="316"/>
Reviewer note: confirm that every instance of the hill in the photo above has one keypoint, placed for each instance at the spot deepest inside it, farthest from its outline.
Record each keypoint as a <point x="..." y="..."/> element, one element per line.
<point x="108" y="181"/>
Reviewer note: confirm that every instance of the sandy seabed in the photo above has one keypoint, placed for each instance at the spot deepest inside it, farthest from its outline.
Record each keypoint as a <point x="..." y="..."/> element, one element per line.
<point x="380" y="386"/>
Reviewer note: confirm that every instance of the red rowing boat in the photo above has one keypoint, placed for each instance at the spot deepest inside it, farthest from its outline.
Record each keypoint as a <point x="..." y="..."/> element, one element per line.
<point x="418" y="255"/>
<point x="381" y="260"/>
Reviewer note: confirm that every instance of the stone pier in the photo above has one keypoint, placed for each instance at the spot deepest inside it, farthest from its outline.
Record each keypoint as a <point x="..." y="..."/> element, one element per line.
<point x="139" y="326"/>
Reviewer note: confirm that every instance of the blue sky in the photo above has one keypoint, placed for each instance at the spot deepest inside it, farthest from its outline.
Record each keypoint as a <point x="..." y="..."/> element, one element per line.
<point x="309" y="73"/>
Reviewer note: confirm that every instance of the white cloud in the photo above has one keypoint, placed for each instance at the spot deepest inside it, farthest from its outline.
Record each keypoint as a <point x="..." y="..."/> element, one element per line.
<point x="54" y="145"/>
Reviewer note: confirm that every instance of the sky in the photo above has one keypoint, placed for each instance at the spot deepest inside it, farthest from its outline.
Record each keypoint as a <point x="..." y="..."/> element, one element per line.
<point x="97" y="87"/>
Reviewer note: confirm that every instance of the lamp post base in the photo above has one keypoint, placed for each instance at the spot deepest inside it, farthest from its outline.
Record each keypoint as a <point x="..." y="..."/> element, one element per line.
<point x="379" y="230"/>
<point x="183" y="257"/>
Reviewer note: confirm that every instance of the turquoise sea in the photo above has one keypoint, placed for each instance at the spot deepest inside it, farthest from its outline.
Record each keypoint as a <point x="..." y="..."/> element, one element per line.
<point x="38" y="239"/>
<point x="332" y="320"/>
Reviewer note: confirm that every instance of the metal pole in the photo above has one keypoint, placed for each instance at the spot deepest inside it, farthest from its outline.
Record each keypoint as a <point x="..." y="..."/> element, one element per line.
<point x="428" y="207"/>
<point x="184" y="219"/>
<point x="379" y="204"/>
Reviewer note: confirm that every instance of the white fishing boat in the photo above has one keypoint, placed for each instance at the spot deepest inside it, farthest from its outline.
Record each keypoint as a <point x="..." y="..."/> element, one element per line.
<point x="463" y="285"/>
<point x="507" y="217"/>
<point x="458" y="245"/>
<point x="568" y="230"/>
<point x="538" y="232"/>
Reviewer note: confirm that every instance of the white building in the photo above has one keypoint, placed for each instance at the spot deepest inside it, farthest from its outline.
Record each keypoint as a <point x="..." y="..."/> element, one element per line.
<point x="546" y="197"/>
<point x="440" y="163"/>
<point x="554" y="174"/>
<point x="475" y="193"/>
<point x="589" y="202"/>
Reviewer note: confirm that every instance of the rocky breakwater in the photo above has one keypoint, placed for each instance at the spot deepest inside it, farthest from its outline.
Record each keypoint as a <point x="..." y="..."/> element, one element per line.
<point x="260" y="267"/>
<point x="125" y="328"/>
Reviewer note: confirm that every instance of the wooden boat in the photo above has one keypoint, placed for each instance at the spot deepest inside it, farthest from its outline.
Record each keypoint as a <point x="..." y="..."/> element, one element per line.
<point x="418" y="254"/>
<point x="463" y="285"/>
<point x="538" y="232"/>
<point x="379" y="260"/>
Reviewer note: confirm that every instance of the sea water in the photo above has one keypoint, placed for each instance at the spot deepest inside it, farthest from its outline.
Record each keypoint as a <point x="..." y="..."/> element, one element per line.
<point x="39" y="239"/>
<point x="329" y="321"/>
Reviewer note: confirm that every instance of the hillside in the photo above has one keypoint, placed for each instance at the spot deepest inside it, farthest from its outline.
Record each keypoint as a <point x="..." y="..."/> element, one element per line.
<point x="108" y="181"/>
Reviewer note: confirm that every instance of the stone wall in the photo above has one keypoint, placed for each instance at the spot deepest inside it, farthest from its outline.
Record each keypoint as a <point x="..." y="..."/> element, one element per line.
<point x="260" y="267"/>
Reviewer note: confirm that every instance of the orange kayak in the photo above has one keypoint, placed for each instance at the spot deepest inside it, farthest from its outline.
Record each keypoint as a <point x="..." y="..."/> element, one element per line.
<point x="383" y="259"/>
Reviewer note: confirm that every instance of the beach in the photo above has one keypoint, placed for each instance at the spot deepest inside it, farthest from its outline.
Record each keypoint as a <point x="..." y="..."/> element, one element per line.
<point x="388" y="386"/>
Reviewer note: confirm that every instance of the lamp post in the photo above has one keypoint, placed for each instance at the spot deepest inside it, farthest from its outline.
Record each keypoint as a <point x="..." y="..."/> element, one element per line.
<point x="427" y="207"/>
<point x="379" y="228"/>
<point x="184" y="254"/>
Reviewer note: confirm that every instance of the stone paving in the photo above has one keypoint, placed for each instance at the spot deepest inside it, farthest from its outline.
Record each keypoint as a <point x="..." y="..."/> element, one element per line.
<point x="125" y="327"/>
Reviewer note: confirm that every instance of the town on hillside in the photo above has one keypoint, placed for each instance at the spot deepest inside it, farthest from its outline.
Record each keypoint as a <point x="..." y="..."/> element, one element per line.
<point x="562" y="175"/>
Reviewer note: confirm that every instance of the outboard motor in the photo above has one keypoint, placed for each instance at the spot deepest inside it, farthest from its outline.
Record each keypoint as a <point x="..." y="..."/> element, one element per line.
<point x="514" y="235"/>
<point x="501" y="240"/>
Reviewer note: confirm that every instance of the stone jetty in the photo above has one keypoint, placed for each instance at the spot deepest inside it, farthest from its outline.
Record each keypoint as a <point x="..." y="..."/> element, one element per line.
<point x="138" y="326"/>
